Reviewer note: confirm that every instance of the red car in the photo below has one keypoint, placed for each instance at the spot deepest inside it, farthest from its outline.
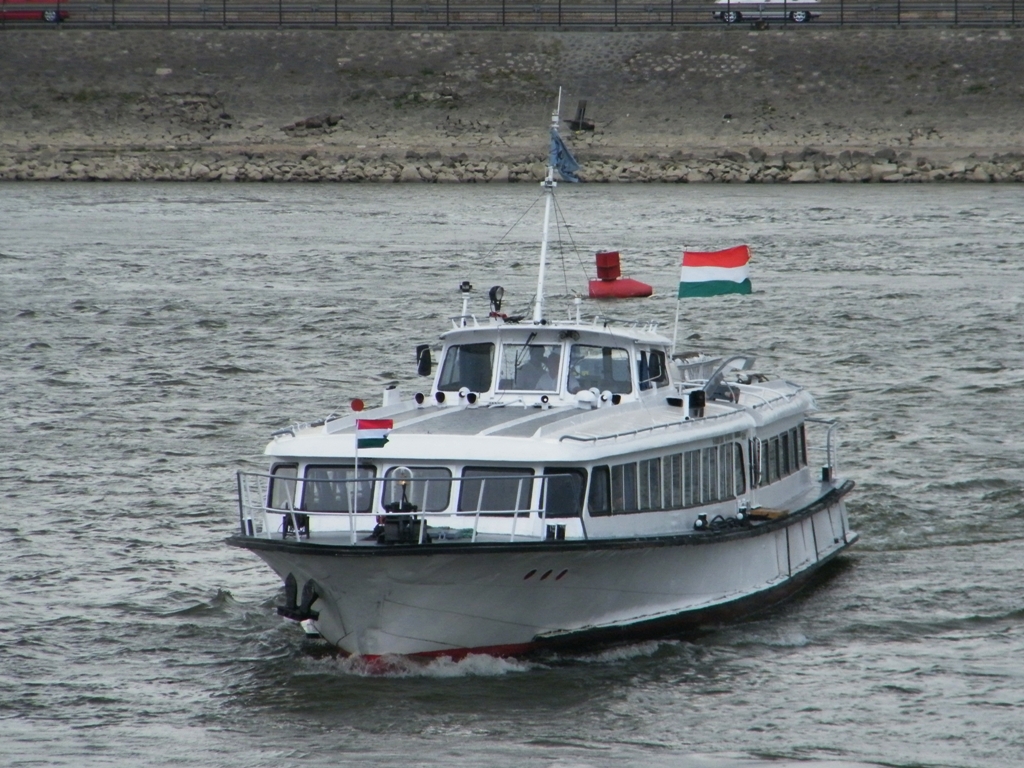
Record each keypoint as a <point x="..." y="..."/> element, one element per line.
<point x="33" y="10"/>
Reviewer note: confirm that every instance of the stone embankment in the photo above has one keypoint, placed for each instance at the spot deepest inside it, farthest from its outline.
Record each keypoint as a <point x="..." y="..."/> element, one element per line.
<point x="796" y="104"/>
<point x="754" y="166"/>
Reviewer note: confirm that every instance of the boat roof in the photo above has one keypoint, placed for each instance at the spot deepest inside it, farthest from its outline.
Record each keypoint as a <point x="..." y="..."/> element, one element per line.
<point x="468" y="434"/>
<point x="470" y="327"/>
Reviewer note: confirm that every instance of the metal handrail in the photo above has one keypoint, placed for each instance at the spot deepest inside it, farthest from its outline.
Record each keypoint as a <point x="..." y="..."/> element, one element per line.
<point x="641" y="430"/>
<point x="831" y="443"/>
<point x="254" y="498"/>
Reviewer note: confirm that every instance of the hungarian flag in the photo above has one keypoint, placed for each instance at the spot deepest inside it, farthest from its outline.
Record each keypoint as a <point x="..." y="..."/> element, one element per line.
<point x="714" y="273"/>
<point x="373" y="433"/>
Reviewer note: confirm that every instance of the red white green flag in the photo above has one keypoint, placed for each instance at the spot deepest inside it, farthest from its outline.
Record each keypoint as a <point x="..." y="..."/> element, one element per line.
<point x="714" y="273"/>
<point x="373" y="433"/>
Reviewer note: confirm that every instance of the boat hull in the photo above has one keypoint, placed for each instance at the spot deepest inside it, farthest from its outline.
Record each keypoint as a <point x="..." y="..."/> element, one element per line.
<point x="458" y="598"/>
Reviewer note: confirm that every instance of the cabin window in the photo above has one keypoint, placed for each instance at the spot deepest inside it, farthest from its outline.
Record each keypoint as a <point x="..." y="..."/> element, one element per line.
<point x="282" y="486"/>
<point x="429" y="489"/>
<point x="794" y="447"/>
<point x="739" y="480"/>
<point x="530" y="367"/>
<point x="563" y="491"/>
<point x="467" y="365"/>
<point x="691" y="462"/>
<point x="650" y="484"/>
<point x="495" y="489"/>
<point x="600" y="501"/>
<point x="725" y="472"/>
<point x="603" y="368"/>
<point x="675" y="481"/>
<point x="782" y="455"/>
<point x="709" y="475"/>
<point x="336" y="488"/>
<point x="624" y="488"/>
<point x="754" y="450"/>
<point x="672" y="485"/>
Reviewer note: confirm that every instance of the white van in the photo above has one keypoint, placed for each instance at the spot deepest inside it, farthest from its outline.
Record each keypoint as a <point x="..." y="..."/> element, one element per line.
<point x="733" y="11"/>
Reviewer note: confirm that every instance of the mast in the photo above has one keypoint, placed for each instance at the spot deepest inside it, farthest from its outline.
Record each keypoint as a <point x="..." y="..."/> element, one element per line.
<point x="549" y="191"/>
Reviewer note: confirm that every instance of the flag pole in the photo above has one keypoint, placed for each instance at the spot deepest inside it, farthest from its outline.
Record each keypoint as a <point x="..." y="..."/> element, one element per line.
<point x="354" y="494"/>
<point x="675" y="329"/>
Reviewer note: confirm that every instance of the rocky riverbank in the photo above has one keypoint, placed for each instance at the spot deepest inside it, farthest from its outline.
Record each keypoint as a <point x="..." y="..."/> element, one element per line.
<point x="755" y="166"/>
<point x="736" y="105"/>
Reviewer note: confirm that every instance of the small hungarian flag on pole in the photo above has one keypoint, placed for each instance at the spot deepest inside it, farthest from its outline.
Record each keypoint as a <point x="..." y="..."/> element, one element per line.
<point x="715" y="273"/>
<point x="373" y="433"/>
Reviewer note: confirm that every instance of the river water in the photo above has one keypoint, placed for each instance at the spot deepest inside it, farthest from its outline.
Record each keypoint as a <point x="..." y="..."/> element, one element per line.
<point x="152" y="336"/>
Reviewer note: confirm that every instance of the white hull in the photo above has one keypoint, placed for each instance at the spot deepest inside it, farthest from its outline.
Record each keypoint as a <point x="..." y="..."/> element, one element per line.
<point x="455" y="598"/>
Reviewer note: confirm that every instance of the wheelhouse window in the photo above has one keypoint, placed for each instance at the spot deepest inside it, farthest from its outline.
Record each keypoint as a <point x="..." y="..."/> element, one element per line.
<point x="337" y="488"/>
<point x="429" y="490"/>
<point x="603" y="368"/>
<point x="282" y="486"/>
<point x="530" y="367"/>
<point x="651" y="369"/>
<point x="563" y="491"/>
<point x="467" y="365"/>
<point x="495" y="489"/>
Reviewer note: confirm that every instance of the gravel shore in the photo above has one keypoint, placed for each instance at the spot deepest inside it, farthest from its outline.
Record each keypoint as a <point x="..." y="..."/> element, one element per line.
<point x="737" y="105"/>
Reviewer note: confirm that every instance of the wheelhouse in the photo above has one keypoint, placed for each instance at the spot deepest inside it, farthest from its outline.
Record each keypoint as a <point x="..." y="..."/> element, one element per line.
<point x="549" y="365"/>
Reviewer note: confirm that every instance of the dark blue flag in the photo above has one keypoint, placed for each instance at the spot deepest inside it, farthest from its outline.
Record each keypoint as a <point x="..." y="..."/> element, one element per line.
<point x="561" y="158"/>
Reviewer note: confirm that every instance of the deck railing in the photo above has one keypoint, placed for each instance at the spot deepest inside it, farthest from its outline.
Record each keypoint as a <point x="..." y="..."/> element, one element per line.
<point x="500" y="13"/>
<point x="363" y="509"/>
<point x="828" y="449"/>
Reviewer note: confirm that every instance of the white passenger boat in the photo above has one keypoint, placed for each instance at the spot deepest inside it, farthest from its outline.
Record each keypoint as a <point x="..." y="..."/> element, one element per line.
<point x="558" y="484"/>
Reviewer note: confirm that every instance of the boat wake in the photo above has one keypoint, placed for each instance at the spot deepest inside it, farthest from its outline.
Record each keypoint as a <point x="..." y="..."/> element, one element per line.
<point x="473" y="665"/>
<point x="482" y="665"/>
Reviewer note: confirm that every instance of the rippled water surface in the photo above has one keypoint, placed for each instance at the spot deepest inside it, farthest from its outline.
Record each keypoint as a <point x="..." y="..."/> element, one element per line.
<point x="152" y="336"/>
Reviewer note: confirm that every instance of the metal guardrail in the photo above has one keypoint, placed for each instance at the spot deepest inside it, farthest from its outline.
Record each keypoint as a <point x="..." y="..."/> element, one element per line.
<point x="504" y="13"/>
<point x="831" y="461"/>
<point x="254" y="501"/>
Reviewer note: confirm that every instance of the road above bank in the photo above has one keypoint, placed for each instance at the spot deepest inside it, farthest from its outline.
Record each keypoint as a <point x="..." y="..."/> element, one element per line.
<point x="158" y="103"/>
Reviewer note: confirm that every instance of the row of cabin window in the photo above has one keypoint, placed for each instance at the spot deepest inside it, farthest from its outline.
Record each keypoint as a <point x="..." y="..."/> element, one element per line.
<point x="688" y="479"/>
<point x="331" y="489"/>
<point x="782" y="455"/>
